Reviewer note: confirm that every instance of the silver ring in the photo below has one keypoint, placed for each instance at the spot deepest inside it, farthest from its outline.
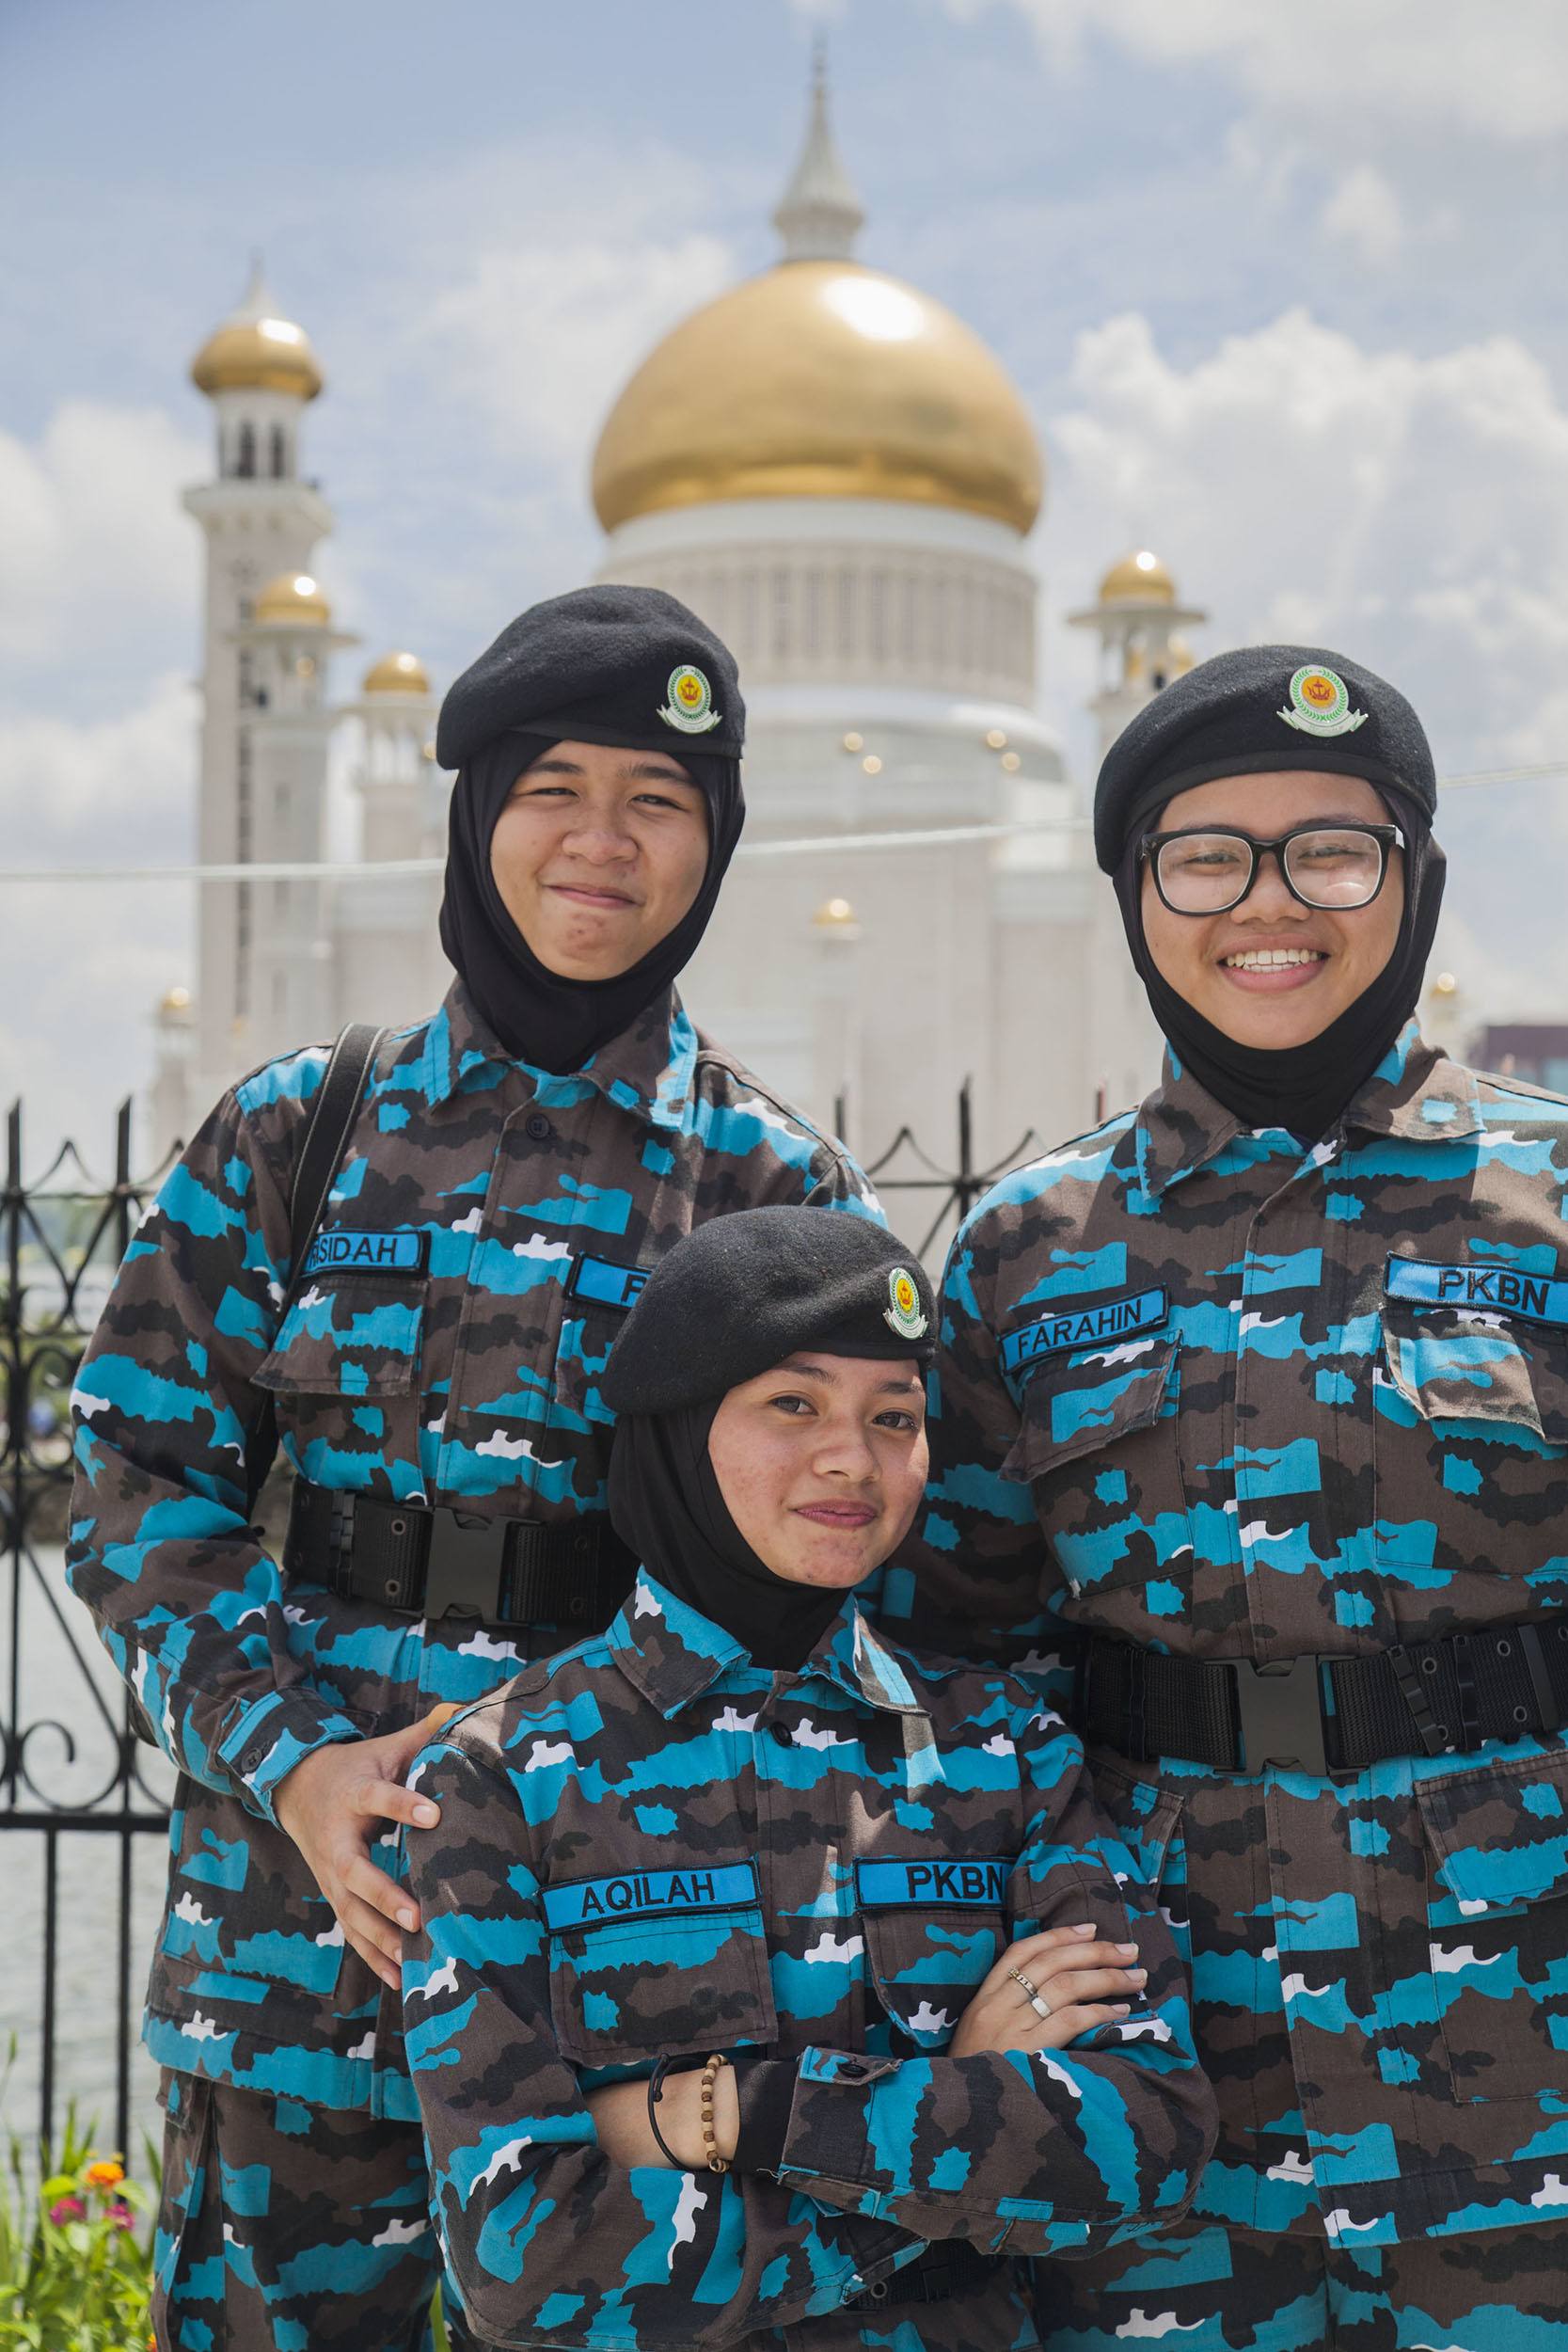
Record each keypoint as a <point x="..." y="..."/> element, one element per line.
<point x="1037" y="2001"/>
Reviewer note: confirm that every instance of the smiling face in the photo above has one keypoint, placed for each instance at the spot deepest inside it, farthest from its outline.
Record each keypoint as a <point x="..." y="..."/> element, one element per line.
<point x="597" y="855"/>
<point x="822" y="1463"/>
<point x="1271" y="972"/>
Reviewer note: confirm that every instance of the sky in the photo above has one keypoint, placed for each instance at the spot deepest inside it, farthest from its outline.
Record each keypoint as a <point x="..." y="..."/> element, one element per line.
<point x="1281" y="285"/>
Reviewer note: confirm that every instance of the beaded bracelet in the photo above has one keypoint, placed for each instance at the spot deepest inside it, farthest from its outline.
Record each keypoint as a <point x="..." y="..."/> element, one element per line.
<point x="716" y="2163"/>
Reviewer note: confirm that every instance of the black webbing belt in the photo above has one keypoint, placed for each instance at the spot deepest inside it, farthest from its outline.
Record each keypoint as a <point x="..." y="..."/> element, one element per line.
<point x="1326" y="1715"/>
<point x="426" y="1563"/>
<point x="950" y="2268"/>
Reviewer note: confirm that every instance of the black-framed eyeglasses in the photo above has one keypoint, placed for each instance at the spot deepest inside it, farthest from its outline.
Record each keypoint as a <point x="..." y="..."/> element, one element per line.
<point x="1201" y="870"/>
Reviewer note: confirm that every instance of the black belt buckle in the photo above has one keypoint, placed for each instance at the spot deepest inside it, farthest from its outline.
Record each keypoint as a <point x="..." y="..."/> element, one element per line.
<point x="1281" y="1715"/>
<point x="466" y="1562"/>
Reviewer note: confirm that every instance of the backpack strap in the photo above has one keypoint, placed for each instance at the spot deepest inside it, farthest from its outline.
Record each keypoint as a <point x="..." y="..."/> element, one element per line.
<point x="332" y="1116"/>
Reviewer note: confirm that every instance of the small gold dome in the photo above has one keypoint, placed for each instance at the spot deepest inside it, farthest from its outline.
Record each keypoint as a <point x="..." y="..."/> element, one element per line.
<point x="176" y="1000"/>
<point x="820" y="378"/>
<point x="293" y="596"/>
<point x="396" y="674"/>
<point x="1141" y="575"/>
<point x="257" y="350"/>
<point x="833" y="913"/>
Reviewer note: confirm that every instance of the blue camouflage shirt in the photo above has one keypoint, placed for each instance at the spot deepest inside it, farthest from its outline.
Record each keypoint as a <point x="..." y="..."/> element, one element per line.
<point x="648" y="1846"/>
<point x="1202" y="1388"/>
<point x="489" y="1225"/>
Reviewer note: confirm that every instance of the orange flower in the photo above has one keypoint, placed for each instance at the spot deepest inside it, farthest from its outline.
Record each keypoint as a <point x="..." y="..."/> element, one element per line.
<point x="106" y="2173"/>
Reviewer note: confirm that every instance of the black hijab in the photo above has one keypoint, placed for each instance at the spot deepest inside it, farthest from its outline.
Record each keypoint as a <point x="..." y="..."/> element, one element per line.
<point x="667" y="1504"/>
<point x="1301" y="1088"/>
<point x="1258" y="710"/>
<point x="744" y="1292"/>
<point x="538" y="1014"/>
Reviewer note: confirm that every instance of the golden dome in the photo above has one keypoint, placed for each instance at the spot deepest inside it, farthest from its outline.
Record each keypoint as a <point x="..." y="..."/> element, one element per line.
<point x="833" y="915"/>
<point x="176" y="1000"/>
<point x="396" y="674"/>
<point x="255" y="350"/>
<point x="821" y="378"/>
<point x="292" y="597"/>
<point x="1141" y="575"/>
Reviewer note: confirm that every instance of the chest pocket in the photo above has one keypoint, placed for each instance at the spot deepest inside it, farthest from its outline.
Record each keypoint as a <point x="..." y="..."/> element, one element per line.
<point x="1097" y="1448"/>
<point x="601" y="1293"/>
<point x="1470" y="1443"/>
<point x="349" y="1335"/>
<point x="646" y="1962"/>
<point x="934" y="1927"/>
<point x="1498" y="1916"/>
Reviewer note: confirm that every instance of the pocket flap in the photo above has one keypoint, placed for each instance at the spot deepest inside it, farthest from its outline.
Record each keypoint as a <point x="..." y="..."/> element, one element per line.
<point x="1071" y="1409"/>
<point x="682" y="1967"/>
<point x="352" y="1335"/>
<point x="1460" y="1365"/>
<point x="1499" y="1837"/>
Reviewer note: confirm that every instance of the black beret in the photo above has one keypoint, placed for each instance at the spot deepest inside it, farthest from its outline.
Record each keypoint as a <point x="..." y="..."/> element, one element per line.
<point x="1261" y="708"/>
<point x="745" y="1291"/>
<point x="629" y="666"/>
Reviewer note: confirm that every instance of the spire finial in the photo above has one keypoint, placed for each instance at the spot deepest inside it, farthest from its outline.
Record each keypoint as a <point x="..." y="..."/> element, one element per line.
<point x="819" y="215"/>
<point x="257" y="301"/>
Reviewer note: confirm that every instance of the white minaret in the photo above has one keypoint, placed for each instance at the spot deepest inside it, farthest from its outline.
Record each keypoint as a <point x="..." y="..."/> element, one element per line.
<point x="1138" y="618"/>
<point x="260" y="523"/>
<point x="390" y="967"/>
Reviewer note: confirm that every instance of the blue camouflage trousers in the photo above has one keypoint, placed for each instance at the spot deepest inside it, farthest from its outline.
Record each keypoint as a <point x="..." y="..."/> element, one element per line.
<point x="285" y="2228"/>
<point x="1205" y="2288"/>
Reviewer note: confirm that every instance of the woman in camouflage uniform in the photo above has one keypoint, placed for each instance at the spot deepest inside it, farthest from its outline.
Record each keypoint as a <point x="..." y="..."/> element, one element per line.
<point x="1254" y="1403"/>
<point x="863" y="1905"/>
<point x="517" y="1163"/>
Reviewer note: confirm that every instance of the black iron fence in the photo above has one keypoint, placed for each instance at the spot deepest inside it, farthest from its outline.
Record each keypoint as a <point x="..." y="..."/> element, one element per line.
<point x="91" y="1800"/>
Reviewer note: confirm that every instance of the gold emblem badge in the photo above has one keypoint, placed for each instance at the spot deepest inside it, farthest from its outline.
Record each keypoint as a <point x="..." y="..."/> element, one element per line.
<point x="902" y="1315"/>
<point x="691" y="704"/>
<point x="1320" y="703"/>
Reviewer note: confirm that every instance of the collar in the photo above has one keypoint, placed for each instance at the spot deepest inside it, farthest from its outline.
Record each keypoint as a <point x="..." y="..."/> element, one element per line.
<point x="649" y="1070"/>
<point x="673" y="1654"/>
<point x="1414" y="1093"/>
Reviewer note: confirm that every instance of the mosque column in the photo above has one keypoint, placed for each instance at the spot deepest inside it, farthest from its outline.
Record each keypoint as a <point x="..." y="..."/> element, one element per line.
<point x="284" y="926"/>
<point x="388" y="967"/>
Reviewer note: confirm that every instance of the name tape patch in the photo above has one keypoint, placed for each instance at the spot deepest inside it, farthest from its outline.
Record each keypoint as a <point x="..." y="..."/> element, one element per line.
<point x="339" y="1250"/>
<point x="1085" y="1327"/>
<point x="884" y="1885"/>
<point x="602" y="1284"/>
<point x="1497" y="1289"/>
<point x="646" y="1894"/>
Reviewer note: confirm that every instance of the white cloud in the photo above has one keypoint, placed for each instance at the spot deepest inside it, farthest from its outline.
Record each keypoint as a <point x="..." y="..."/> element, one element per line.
<point x="95" y="790"/>
<point x="82" y="964"/>
<point x="1366" y="212"/>
<point x="96" y="549"/>
<point x="1444" y="64"/>
<point x="543" y="338"/>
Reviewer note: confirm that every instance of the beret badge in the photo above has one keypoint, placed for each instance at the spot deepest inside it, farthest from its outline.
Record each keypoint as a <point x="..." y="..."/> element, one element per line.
<point x="689" y="707"/>
<point x="1320" y="703"/>
<point x="902" y="1314"/>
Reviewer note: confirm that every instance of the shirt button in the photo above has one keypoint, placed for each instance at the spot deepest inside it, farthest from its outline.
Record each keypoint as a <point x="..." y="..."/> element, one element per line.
<point x="537" y="1128"/>
<point x="784" y="1735"/>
